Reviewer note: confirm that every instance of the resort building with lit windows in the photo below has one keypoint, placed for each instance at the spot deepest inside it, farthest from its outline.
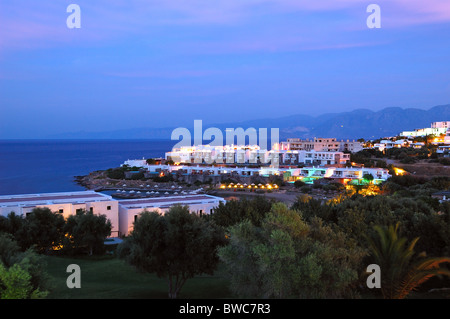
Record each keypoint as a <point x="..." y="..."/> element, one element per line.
<point x="341" y="175"/>
<point x="321" y="145"/>
<point x="227" y="154"/>
<point x="65" y="203"/>
<point x="441" y="124"/>
<point x="121" y="213"/>
<point x="252" y="154"/>
<point x="437" y="129"/>
<point x="317" y="158"/>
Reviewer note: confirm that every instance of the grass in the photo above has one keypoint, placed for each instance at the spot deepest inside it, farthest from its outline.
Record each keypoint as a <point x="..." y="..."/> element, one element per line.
<point x="108" y="277"/>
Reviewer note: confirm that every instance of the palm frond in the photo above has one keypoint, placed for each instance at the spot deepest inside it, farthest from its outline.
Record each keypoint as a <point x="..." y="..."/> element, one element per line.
<point x="399" y="275"/>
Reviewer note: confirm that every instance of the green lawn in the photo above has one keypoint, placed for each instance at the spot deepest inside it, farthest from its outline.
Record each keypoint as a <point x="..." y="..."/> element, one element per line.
<point x="111" y="278"/>
<point x="108" y="277"/>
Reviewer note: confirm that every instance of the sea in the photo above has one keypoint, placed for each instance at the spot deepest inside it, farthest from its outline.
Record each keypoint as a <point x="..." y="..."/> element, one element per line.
<point x="45" y="166"/>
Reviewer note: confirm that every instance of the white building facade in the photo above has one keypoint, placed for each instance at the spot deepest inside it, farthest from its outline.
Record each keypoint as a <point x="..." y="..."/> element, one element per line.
<point x="129" y="210"/>
<point x="322" y="145"/>
<point x="66" y="204"/>
<point x="442" y="124"/>
<point x="227" y="154"/>
<point x="338" y="174"/>
<point x="206" y="154"/>
<point x="320" y="158"/>
<point x="121" y="213"/>
<point x="437" y="128"/>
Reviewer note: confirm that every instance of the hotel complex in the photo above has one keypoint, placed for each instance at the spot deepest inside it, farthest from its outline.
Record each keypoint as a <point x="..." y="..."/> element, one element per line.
<point x="319" y="159"/>
<point x="295" y="159"/>
<point x="252" y="154"/>
<point x="310" y="161"/>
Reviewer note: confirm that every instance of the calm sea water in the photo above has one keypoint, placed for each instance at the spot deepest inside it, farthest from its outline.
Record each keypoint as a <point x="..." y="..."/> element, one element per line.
<point x="40" y="166"/>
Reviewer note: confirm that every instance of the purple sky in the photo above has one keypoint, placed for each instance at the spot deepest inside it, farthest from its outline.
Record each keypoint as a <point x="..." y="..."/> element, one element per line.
<point x="147" y="63"/>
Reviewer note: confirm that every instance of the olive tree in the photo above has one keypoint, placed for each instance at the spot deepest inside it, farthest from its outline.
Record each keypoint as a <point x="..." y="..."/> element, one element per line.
<point x="41" y="229"/>
<point x="86" y="230"/>
<point x="176" y="245"/>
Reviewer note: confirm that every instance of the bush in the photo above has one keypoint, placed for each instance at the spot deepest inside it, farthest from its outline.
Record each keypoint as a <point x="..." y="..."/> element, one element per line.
<point x="330" y="188"/>
<point x="306" y="189"/>
<point x="137" y="176"/>
<point x="299" y="184"/>
<point x="115" y="173"/>
<point x="22" y="274"/>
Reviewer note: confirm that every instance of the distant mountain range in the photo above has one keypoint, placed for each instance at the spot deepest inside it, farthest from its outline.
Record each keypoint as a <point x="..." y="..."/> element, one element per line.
<point x="360" y="123"/>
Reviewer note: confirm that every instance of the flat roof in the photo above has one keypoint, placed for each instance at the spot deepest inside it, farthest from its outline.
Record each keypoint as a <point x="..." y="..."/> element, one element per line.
<point x="50" y="198"/>
<point x="165" y="201"/>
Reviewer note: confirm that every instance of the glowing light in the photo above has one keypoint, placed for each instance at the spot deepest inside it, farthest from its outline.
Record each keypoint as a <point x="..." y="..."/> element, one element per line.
<point x="399" y="171"/>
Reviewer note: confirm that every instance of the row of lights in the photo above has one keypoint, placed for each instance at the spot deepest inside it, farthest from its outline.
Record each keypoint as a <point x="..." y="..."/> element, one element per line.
<point x="238" y="185"/>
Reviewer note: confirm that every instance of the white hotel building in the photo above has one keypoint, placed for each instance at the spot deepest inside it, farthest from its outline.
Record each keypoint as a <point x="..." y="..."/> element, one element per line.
<point x="289" y="174"/>
<point x="338" y="174"/>
<point x="227" y="154"/>
<point x="252" y="154"/>
<point x="66" y="204"/>
<point x="319" y="144"/>
<point x="437" y="128"/>
<point x="121" y="213"/>
<point x="319" y="158"/>
<point x="130" y="209"/>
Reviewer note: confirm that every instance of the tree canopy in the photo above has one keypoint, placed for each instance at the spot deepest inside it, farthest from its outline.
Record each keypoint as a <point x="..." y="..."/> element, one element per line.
<point x="235" y="211"/>
<point x="22" y="274"/>
<point x="42" y="229"/>
<point x="86" y="230"/>
<point x="288" y="257"/>
<point x="176" y="245"/>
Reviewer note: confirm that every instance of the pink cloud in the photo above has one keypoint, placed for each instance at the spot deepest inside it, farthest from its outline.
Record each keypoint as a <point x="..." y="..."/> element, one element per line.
<point x="26" y="24"/>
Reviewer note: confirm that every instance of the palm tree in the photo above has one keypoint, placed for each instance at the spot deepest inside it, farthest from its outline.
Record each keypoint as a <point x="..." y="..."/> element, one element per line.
<point x="400" y="274"/>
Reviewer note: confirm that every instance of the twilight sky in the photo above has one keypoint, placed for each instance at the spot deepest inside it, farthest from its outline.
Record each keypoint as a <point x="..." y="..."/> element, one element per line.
<point x="159" y="63"/>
